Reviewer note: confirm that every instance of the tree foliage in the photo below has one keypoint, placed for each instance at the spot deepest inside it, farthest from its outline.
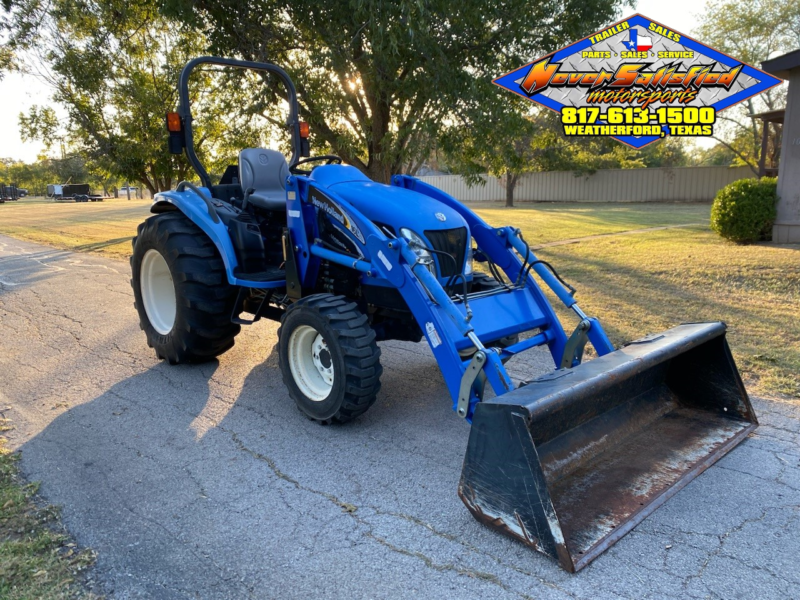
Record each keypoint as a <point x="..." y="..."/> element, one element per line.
<point x="36" y="176"/>
<point x="41" y="123"/>
<point x="378" y="81"/>
<point x="751" y="31"/>
<point x="114" y="65"/>
<point x="523" y="140"/>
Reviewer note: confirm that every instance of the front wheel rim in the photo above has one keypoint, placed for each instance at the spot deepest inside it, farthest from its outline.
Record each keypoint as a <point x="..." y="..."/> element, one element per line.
<point x="158" y="292"/>
<point x="311" y="363"/>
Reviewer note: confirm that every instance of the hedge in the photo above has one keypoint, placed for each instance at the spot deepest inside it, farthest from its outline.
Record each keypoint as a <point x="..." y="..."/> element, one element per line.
<point x="744" y="210"/>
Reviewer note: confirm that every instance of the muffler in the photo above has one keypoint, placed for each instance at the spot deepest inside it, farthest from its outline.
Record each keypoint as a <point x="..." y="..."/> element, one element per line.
<point x="573" y="460"/>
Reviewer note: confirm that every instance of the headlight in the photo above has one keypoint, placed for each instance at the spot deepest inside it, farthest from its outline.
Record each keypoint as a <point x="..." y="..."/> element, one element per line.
<point x="417" y="244"/>
<point x="468" y="266"/>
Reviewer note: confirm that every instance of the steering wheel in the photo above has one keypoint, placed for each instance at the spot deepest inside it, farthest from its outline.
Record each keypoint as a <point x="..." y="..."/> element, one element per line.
<point x="330" y="159"/>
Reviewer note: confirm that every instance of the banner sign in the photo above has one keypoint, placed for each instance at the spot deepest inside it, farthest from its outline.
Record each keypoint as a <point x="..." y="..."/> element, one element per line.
<point x="637" y="81"/>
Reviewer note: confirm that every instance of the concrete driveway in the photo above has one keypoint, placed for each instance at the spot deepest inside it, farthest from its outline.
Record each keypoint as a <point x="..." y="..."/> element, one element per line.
<point x="206" y="482"/>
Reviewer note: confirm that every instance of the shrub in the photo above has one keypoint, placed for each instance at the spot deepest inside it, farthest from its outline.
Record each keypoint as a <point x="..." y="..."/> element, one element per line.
<point x="744" y="210"/>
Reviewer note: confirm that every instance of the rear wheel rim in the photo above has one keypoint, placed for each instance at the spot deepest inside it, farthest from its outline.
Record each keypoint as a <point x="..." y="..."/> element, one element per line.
<point x="158" y="292"/>
<point x="311" y="363"/>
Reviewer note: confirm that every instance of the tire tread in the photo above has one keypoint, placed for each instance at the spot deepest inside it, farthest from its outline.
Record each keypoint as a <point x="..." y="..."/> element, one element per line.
<point x="361" y="353"/>
<point x="205" y="298"/>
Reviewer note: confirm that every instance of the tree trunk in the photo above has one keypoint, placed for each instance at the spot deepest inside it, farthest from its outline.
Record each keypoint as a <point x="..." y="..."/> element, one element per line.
<point x="380" y="158"/>
<point x="377" y="171"/>
<point x="150" y="187"/>
<point x="511" y="183"/>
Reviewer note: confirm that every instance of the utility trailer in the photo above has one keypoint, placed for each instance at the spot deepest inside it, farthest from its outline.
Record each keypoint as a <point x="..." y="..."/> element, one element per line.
<point x="72" y="192"/>
<point x="566" y="463"/>
<point x="9" y="193"/>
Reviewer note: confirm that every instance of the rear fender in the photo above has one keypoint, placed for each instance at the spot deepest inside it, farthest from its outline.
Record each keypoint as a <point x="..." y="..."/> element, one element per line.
<point x="191" y="205"/>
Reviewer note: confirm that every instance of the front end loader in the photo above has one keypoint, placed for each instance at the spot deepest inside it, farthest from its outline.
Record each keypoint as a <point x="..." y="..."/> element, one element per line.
<point x="567" y="462"/>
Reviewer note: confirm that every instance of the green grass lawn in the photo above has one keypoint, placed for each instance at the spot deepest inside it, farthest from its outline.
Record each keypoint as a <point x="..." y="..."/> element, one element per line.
<point x="105" y="226"/>
<point x="550" y="222"/>
<point x="37" y="559"/>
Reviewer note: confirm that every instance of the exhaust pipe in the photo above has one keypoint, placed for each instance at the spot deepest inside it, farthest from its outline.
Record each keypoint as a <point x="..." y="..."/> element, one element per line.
<point x="572" y="461"/>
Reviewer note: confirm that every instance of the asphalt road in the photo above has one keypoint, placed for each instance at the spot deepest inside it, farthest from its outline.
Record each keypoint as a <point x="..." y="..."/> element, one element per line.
<point x="206" y="482"/>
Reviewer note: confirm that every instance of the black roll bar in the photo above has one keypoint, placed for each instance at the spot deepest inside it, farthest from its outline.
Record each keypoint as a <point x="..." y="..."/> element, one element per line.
<point x="184" y="109"/>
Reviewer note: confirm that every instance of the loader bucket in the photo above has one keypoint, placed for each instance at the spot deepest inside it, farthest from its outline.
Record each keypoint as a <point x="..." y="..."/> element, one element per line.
<point x="572" y="461"/>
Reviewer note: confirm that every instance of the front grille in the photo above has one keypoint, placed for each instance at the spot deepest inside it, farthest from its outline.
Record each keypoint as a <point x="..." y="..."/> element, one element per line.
<point x="452" y="241"/>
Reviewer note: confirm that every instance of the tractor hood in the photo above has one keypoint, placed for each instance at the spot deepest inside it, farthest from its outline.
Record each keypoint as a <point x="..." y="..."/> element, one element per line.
<point x="386" y="204"/>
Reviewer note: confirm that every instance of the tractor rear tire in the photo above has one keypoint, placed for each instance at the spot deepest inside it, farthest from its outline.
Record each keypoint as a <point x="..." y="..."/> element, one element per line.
<point x="194" y="325"/>
<point x="329" y="359"/>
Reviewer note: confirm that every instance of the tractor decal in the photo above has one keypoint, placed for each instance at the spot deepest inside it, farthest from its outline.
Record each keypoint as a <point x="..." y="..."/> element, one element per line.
<point x="325" y="204"/>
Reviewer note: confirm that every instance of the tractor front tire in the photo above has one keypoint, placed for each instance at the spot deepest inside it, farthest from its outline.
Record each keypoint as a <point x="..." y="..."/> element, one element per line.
<point x="329" y="359"/>
<point x="181" y="291"/>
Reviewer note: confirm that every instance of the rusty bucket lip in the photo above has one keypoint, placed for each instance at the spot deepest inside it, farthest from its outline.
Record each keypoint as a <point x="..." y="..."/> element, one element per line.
<point x="574" y="563"/>
<point x="640" y="515"/>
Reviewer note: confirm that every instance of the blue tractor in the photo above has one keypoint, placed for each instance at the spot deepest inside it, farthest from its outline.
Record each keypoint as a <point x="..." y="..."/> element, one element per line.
<point x="567" y="462"/>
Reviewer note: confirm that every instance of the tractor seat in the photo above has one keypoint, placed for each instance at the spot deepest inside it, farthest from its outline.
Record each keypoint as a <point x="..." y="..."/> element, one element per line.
<point x="264" y="171"/>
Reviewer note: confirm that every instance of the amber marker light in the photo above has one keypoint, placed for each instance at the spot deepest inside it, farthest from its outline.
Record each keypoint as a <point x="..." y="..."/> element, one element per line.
<point x="174" y="122"/>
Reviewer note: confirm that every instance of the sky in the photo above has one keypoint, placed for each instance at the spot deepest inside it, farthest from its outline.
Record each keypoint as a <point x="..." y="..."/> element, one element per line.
<point x="18" y="93"/>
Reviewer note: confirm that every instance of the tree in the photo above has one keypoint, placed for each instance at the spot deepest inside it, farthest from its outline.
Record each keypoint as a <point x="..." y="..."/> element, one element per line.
<point x="380" y="81"/>
<point x="588" y="154"/>
<point x="751" y="31"/>
<point x="717" y="155"/>
<point x="7" y="61"/>
<point x="524" y="140"/>
<point x="113" y="65"/>
<point x="530" y="139"/>
<point x="32" y="176"/>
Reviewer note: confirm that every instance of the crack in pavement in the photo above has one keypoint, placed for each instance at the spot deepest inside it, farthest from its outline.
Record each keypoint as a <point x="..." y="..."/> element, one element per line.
<point x="350" y="510"/>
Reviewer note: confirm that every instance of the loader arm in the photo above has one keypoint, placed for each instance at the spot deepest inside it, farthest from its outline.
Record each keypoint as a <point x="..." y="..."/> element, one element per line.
<point x="506" y="248"/>
<point x="571" y="461"/>
<point x="458" y="328"/>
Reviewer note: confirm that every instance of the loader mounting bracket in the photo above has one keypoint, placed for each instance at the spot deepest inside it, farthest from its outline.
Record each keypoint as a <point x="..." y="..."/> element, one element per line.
<point x="293" y="287"/>
<point x="573" y="350"/>
<point x="474" y="369"/>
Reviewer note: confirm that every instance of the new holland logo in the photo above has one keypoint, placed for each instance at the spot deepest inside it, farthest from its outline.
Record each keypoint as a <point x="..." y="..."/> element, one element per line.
<point x="441" y="216"/>
<point x="637" y="81"/>
<point x="332" y="209"/>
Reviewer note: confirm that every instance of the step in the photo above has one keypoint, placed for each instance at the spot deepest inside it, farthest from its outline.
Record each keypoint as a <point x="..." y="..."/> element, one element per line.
<point x="270" y="274"/>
